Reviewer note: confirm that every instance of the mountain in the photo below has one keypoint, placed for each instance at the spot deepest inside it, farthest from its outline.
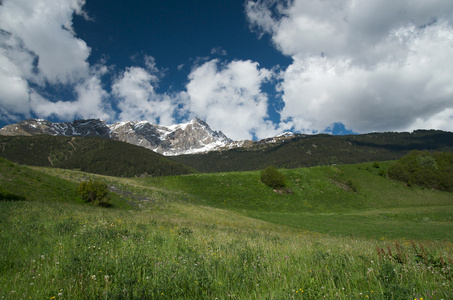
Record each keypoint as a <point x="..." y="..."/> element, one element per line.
<point x="188" y="138"/>
<point x="193" y="137"/>
<point x="288" y="150"/>
<point x="298" y="150"/>
<point x="89" y="154"/>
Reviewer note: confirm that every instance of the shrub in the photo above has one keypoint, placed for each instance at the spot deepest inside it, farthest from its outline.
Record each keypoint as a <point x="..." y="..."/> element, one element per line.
<point x="94" y="191"/>
<point x="423" y="168"/>
<point x="273" y="178"/>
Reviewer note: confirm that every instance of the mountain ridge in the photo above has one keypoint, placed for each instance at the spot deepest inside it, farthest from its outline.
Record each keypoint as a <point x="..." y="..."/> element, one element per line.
<point x="195" y="136"/>
<point x="321" y="149"/>
<point x="196" y="145"/>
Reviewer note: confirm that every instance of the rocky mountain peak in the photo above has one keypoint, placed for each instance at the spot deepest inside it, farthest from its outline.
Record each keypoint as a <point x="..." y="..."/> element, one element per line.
<point x="193" y="137"/>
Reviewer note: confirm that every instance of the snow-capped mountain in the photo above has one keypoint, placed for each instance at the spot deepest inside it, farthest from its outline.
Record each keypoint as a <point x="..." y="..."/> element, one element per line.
<point x="193" y="137"/>
<point x="187" y="138"/>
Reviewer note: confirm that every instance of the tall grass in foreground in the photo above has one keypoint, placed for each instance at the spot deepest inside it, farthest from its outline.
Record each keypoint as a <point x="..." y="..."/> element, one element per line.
<point x="69" y="251"/>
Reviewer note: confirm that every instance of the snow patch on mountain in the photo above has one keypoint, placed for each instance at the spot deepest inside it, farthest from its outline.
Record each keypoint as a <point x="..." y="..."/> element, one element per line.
<point x="192" y="137"/>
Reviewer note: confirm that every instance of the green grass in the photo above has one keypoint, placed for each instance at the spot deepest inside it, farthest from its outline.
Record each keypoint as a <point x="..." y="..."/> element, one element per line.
<point x="35" y="186"/>
<point x="192" y="237"/>
<point x="30" y="184"/>
<point x="351" y="200"/>
<point x="192" y="252"/>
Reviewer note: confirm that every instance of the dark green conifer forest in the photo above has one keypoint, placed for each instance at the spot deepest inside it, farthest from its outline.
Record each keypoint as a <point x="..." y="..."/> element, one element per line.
<point x="93" y="155"/>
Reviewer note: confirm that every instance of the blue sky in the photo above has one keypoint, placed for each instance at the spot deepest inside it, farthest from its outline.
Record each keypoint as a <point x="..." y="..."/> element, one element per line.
<point x="251" y="69"/>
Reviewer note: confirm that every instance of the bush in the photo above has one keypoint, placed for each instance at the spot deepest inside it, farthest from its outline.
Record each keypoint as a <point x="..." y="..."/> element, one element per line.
<point x="273" y="178"/>
<point x="428" y="169"/>
<point x="95" y="192"/>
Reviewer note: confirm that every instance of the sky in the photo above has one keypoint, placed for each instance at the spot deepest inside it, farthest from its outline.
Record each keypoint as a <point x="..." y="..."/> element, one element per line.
<point x="249" y="68"/>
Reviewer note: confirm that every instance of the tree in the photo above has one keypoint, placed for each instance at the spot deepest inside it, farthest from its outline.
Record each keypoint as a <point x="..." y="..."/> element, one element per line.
<point x="273" y="178"/>
<point x="94" y="191"/>
<point x="428" y="169"/>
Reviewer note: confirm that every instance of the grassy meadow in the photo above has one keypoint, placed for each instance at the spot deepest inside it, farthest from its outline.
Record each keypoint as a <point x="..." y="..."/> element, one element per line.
<point x="344" y="232"/>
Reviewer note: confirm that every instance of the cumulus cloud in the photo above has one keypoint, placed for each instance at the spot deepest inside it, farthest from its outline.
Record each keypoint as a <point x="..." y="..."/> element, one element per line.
<point x="91" y="103"/>
<point x="13" y="88"/>
<point x="229" y="97"/>
<point x="44" y="29"/>
<point x="372" y="65"/>
<point x="137" y="98"/>
<point x="39" y="50"/>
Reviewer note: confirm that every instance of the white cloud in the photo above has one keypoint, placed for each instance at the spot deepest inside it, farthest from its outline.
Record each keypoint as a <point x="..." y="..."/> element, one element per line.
<point x="138" y="100"/>
<point x="218" y="51"/>
<point x="13" y="89"/>
<point x="90" y="103"/>
<point x="440" y="121"/>
<point x="229" y="98"/>
<point x="38" y="46"/>
<point x="372" y="65"/>
<point x="44" y="29"/>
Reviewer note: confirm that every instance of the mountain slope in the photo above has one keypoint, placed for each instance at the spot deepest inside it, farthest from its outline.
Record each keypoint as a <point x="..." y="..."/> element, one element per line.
<point x="89" y="154"/>
<point x="32" y="185"/>
<point x="193" y="137"/>
<point x="321" y="149"/>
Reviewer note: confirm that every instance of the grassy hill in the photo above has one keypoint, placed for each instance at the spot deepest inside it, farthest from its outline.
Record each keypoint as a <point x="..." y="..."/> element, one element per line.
<point x="341" y="200"/>
<point x="94" y="155"/>
<point x="321" y="149"/>
<point x="31" y="185"/>
<point x="346" y="232"/>
<point x="25" y="184"/>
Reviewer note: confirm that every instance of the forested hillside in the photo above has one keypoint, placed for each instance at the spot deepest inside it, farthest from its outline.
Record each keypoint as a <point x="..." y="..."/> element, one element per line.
<point x="93" y="155"/>
<point x="114" y="158"/>
<point x="321" y="149"/>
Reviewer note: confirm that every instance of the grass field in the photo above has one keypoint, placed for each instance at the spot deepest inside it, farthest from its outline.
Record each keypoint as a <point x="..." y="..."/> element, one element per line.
<point x="352" y="200"/>
<point x="345" y="232"/>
